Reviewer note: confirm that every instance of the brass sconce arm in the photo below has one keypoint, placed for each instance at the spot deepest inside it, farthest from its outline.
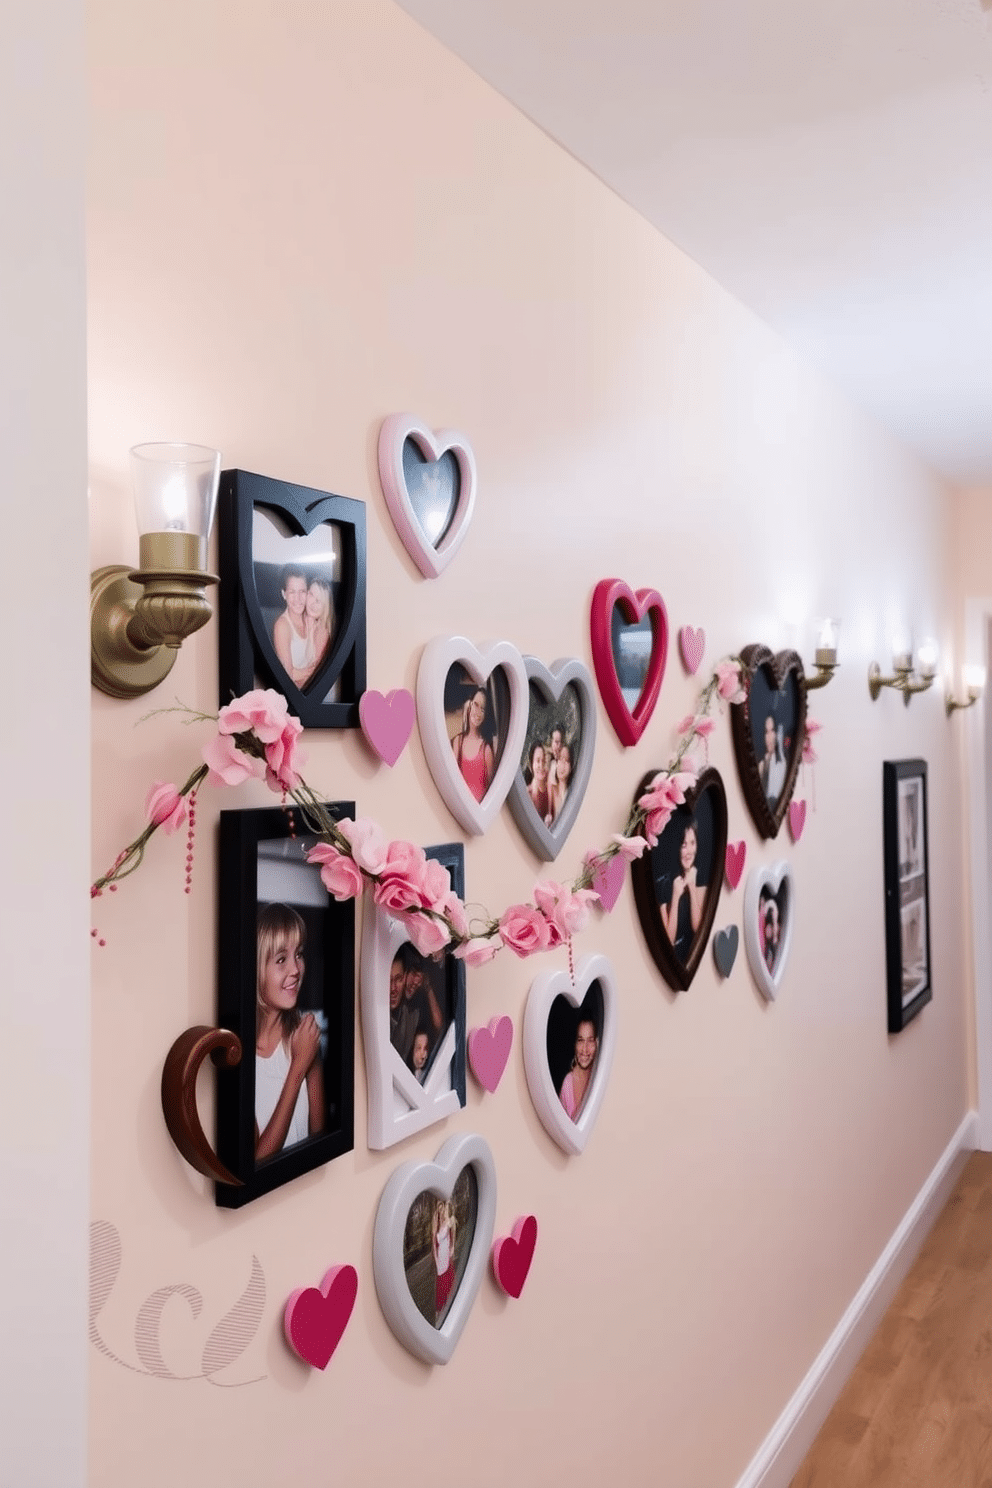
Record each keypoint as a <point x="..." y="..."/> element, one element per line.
<point x="904" y="680"/>
<point x="824" y="671"/>
<point x="953" y="703"/>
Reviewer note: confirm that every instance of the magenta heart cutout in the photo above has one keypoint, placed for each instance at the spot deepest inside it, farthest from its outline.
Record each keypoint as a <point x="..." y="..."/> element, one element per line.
<point x="797" y="819"/>
<point x="692" y="644"/>
<point x="734" y="865"/>
<point x="387" y="722"/>
<point x="316" y="1317"/>
<point x="608" y="879"/>
<point x="488" y="1051"/>
<point x="513" y="1253"/>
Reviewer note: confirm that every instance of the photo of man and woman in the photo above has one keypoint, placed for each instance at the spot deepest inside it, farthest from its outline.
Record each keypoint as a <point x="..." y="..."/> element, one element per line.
<point x="297" y="581"/>
<point x="421" y="1006"/>
<point x="477" y="717"/>
<point x="682" y="868"/>
<point x="574" y="1036"/>
<point x="437" y="1240"/>
<point x="774" y="715"/>
<point x="551" y="751"/>
<point x="291" y="1025"/>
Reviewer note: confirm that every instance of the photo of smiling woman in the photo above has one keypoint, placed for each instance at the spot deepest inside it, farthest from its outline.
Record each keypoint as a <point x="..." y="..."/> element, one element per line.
<point x="682" y="865"/>
<point x="573" y="1044"/>
<point x="289" y="1079"/>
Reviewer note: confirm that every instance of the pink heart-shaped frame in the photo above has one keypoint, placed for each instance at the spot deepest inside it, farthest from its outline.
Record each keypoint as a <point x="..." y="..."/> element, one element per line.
<point x="797" y="819"/>
<point x="692" y="644"/>
<point x="488" y="1051"/>
<point x="513" y="1253"/>
<point x="629" y="724"/>
<point x="429" y="557"/>
<point x="316" y="1317"/>
<point x="387" y="722"/>
<point x="736" y="856"/>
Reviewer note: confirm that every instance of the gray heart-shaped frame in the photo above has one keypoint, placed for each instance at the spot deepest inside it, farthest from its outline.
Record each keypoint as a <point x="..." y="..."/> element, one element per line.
<point x="435" y="1345"/>
<point x="547" y="842"/>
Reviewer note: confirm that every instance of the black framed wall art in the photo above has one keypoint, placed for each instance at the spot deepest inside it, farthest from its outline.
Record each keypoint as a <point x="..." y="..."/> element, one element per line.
<point x="907" y="889"/>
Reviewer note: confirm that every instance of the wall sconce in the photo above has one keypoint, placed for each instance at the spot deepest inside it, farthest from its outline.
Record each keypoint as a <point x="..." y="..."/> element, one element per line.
<point x="140" y="617"/>
<point x="906" y="678"/>
<point x="825" y="656"/>
<point x="974" y="683"/>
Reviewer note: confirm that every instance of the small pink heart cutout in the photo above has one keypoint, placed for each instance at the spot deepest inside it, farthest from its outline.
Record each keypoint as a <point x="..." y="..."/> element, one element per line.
<point x="387" y="722"/>
<point x="315" y="1318"/>
<point x="797" y="819"/>
<point x="608" y="879"/>
<point x="692" y="644"/>
<point x="488" y="1051"/>
<point x="734" y="866"/>
<point x="513" y="1253"/>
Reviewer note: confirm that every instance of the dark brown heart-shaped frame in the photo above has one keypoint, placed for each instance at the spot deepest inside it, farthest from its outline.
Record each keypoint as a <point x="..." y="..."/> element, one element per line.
<point x="655" y="876"/>
<point x="779" y="765"/>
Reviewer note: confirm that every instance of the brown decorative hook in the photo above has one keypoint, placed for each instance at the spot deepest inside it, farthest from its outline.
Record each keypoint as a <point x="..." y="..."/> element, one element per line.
<point x="182" y="1065"/>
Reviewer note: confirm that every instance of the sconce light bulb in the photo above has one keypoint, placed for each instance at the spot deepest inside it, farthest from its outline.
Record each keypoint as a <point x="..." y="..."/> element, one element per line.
<point x="974" y="677"/>
<point x="926" y="658"/>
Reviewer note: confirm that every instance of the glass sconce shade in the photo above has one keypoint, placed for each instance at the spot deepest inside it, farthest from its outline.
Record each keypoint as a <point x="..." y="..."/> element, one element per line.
<point x="175" y="487"/>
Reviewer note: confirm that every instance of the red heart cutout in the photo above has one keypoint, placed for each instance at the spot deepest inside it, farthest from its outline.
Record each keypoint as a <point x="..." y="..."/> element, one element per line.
<point x="513" y="1253"/>
<point x="734" y="867"/>
<point x="628" y="723"/>
<point x="315" y="1318"/>
<point x="692" y="644"/>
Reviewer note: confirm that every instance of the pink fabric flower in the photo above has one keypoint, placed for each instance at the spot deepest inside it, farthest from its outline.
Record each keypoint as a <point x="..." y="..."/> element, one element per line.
<point x="660" y="800"/>
<point x="266" y="714"/>
<point x="340" y="875"/>
<point x="630" y="847"/>
<point x="565" y="909"/>
<point x="402" y="879"/>
<point x="476" y="952"/>
<point x="728" y="684"/>
<point x="436" y="883"/>
<point x="809" y="755"/>
<point x="229" y="765"/>
<point x="165" y="807"/>
<point x="428" y="934"/>
<point x="367" y="842"/>
<point x="525" y="930"/>
<point x="283" y="759"/>
<point x="453" y="910"/>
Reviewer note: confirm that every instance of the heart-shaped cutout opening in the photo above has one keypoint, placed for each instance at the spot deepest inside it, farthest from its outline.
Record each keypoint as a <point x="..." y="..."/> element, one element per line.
<point x="574" y="1036"/>
<point x="428" y="481"/>
<point x="569" y="1035"/>
<point x="437" y="1242"/>
<point x="477" y="718"/>
<point x="432" y="487"/>
<point x="300" y="597"/>
<point x="677" y="884"/>
<point x="769" y="912"/>
<point x="768" y="729"/>
<point x="556" y="761"/>
<point x="629" y="637"/>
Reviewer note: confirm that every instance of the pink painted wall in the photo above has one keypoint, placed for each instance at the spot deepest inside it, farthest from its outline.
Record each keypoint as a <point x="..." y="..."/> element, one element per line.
<point x="302" y="219"/>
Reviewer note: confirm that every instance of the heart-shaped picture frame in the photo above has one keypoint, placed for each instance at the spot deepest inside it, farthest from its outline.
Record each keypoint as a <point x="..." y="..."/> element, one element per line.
<point x="768" y="729"/>
<point x="677" y="885"/>
<point x="569" y="1039"/>
<point x="556" y="762"/>
<point x="431" y="1244"/>
<point x="769" y="913"/>
<point x="472" y="716"/>
<point x="429" y="483"/>
<point x="629" y="635"/>
<point x="292" y="610"/>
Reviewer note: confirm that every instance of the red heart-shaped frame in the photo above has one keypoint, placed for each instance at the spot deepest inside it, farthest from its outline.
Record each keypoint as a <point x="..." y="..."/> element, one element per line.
<point x="628" y="724"/>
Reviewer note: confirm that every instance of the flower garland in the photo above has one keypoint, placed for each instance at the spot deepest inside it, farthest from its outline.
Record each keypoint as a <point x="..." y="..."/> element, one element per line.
<point x="257" y="738"/>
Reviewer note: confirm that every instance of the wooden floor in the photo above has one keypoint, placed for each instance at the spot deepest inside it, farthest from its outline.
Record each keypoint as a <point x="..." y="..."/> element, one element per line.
<point x="918" y="1408"/>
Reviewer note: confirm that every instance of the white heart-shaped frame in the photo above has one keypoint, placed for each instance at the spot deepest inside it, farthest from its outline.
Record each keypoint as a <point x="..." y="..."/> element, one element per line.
<point x="436" y="1345"/>
<point x="570" y="1135"/>
<point x="770" y="876"/>
<point x="395" y="431"/>
<point x="547" y="842"/>
<point x="440" y="655"/>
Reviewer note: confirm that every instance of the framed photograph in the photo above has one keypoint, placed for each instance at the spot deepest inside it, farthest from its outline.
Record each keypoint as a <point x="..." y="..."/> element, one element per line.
<point x="292" y="597"/>
<point x="907" y="889"/>
<point x="413" y="1020"/>
<point x="769" y="914"/>
<point x="628" y="632"/>
<point x="431" y="1243"/>
<point x="768" y="730"/>
<point x="569" y="1037"/>
<point x="560" y="742"/>
<point x="677" y="884"/>
<point x="286" y="988"/>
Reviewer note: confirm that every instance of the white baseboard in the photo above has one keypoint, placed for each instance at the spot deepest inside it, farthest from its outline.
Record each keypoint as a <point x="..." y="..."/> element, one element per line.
<point x="785" y="1447"/>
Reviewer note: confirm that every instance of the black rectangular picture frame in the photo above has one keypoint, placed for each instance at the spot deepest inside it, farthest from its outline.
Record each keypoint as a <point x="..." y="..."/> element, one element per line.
<point x="907" y="885"/>
<point x="247" y="648"/>
<point x="241" y="832"/>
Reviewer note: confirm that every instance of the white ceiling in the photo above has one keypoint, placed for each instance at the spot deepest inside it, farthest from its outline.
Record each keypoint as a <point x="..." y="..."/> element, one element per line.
<point x="830" y="164"/>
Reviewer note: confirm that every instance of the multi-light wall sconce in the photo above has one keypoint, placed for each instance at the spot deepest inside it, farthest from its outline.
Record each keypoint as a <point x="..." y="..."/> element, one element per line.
<point x="140" y="617"/>
<point x="906" y="677"/>
<point x="825" y="656"/>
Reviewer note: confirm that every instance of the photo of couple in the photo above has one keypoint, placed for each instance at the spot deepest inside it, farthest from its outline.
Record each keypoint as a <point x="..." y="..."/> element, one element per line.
<point x="436" y="1245"/>
<point x="296" y="580"/>
<point x="420" y="1007"/>
<point x="774" y="715"/>
<point x="551" y="751"/>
